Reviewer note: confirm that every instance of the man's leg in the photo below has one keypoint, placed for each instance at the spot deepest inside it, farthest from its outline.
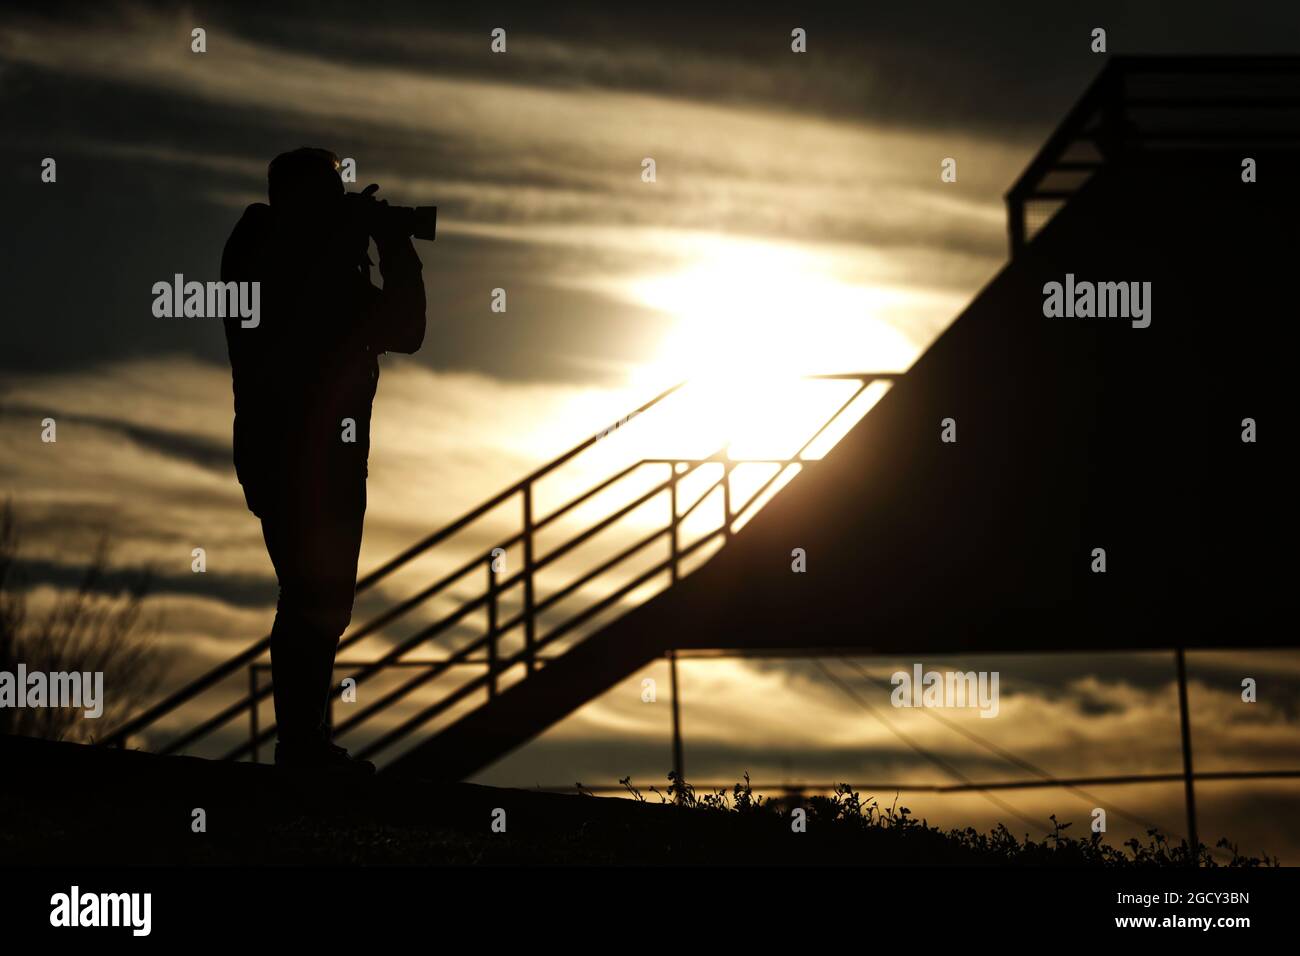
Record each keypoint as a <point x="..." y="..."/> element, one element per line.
<point x="314" y="541"/>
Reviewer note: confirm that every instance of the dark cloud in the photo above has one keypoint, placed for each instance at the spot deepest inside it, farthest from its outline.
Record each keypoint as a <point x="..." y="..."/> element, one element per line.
<point x="212" y="455"/>
<point x="81" y="257"/>
<point x="153" y="168"/>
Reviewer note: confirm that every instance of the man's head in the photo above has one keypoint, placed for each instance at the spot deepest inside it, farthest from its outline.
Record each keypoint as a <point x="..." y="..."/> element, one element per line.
<point x="304" y="182"/>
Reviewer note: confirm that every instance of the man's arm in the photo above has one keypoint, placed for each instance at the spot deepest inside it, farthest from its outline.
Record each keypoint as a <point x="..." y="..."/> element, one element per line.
<point x="395" y="320"/>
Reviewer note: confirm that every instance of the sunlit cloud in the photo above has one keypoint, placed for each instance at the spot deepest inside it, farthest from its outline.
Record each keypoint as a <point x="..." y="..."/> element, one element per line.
<point x="773" y="242"/>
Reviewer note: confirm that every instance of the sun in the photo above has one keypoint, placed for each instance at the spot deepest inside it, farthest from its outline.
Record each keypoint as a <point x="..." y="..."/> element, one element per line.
<point x="750" y="319"/>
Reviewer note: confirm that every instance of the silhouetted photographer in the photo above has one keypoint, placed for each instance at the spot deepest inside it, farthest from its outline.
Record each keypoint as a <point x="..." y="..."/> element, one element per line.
<point x="304" y="380"/>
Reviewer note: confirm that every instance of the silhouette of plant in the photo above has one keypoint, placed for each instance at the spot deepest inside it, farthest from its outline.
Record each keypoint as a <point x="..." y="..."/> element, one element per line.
<point x="90" y="629"/>
<point x="743" y="796"/>
<point x="845" y="813"/>
<point x="679" y="791"/>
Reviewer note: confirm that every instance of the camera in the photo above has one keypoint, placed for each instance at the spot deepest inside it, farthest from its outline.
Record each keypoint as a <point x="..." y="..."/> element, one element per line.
<point x="376" y="217"/>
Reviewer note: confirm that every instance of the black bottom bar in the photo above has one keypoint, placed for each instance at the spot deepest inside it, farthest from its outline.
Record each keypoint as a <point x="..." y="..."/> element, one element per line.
<point x="584" y="905"/>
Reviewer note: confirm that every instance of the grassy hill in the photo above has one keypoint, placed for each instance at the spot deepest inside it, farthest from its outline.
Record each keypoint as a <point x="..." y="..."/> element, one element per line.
<point x="65" y="803"/>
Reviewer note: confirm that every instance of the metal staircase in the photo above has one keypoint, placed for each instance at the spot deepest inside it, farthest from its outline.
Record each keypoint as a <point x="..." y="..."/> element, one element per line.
<point x="1139" y="111"/>
<point x="1159" y="109"/>
<point x="513" y="644"/>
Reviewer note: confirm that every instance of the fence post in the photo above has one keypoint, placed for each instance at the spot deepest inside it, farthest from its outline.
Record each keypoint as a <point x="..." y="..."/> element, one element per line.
<point x="1188" y="785"/>
<point x="491" y="629"/>
<point x="726" y="501"/>
<point x="672" y="520"/>
<point x="678" y="761"/>
<point x="1016" y="224"/>
<point x="672" y="654"/>
<point x="530" y="631"/>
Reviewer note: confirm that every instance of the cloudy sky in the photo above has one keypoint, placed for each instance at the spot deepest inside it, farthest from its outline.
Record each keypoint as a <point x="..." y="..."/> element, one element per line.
<point x="796" y="224"/>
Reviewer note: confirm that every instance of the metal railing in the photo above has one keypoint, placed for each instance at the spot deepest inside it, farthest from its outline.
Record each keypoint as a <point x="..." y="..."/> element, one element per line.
<point x="1148" y="106"/>
<point x="486" y="651"/>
